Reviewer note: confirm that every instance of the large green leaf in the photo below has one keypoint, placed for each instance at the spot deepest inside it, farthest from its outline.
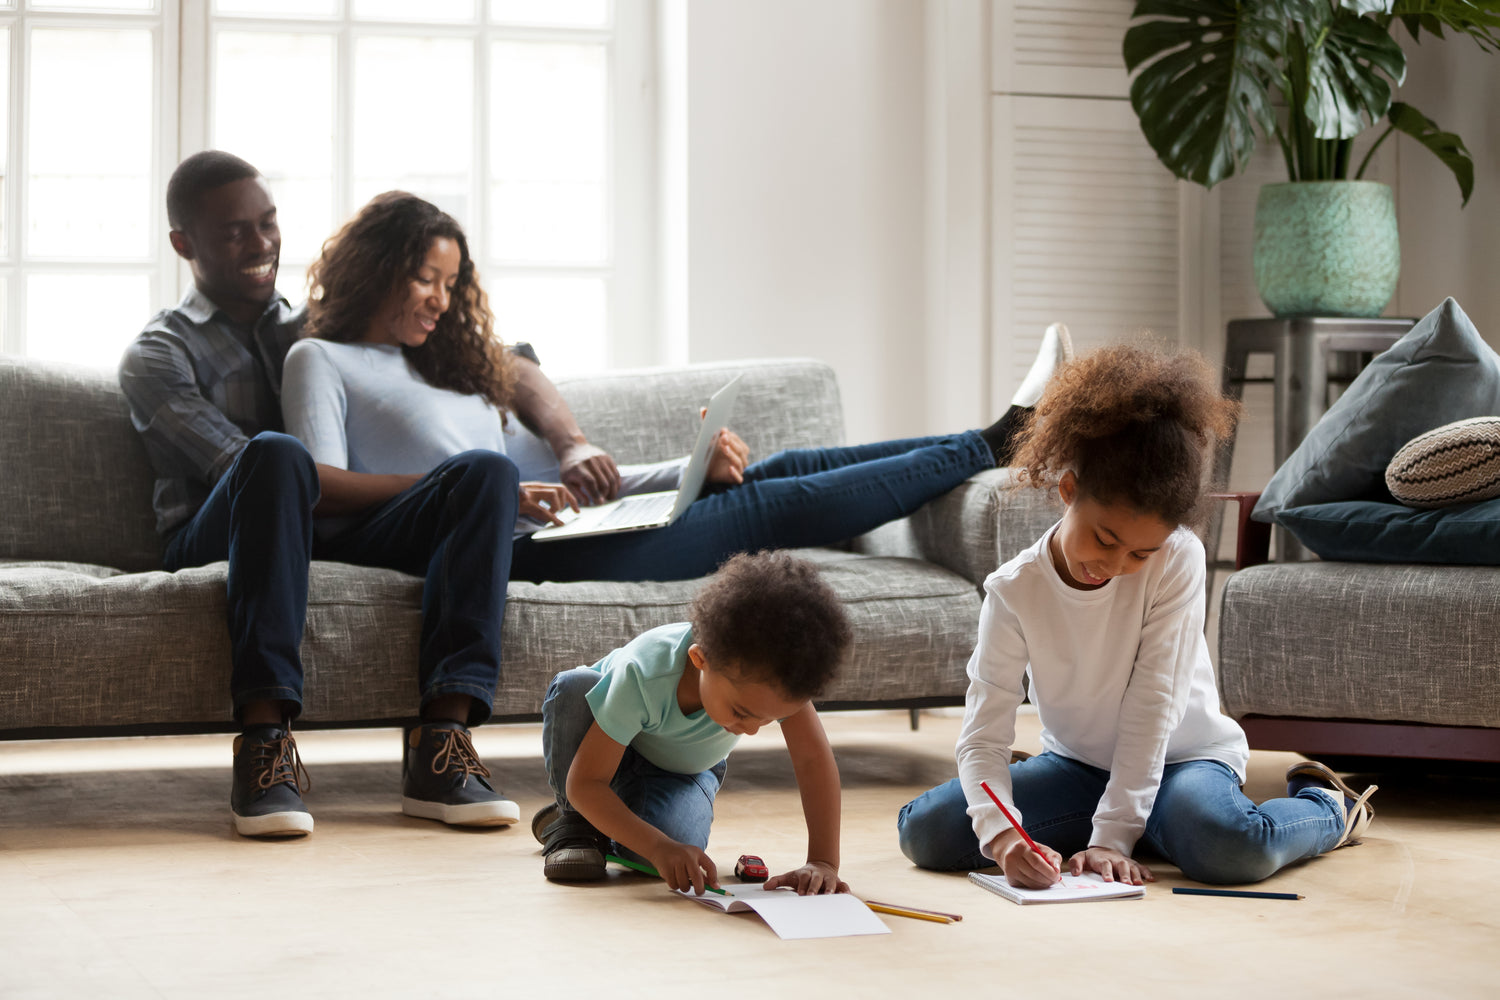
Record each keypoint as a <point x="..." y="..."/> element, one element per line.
<point x="1348" y="74"/>
<point x="1202" y="90"/>
<point x="1445" y="145"/>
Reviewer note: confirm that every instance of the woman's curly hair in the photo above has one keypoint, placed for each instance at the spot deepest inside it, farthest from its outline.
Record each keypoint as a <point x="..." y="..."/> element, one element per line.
<point x="771" y="616"/>
<point x="1135" y="425"/>
<point x="369" y="260"/>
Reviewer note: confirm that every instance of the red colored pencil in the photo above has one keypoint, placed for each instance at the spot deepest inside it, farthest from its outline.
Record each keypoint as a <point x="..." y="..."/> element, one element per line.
<point x="1024" y="836"/>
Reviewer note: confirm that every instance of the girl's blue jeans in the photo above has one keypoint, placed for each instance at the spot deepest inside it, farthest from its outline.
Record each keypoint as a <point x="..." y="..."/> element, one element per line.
<point x="1201" y="822"/>
<point x="679" y="805"/>
<point x="796" y="498"/>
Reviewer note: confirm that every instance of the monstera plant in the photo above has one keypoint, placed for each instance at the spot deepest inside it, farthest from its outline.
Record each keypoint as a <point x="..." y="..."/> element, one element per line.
<point x="1214" y="77"/>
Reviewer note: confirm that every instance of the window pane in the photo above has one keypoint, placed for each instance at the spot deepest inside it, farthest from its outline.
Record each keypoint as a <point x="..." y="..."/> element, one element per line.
<point x="85" y="319"/>
<point x="563" y="13"/>
<point x="275" y="8"/>
<point x="405" y="10"/>
<point x="548" y="152"/>
<point x="403" y="137"/>
<point x="89" y="184"/>
<point x="93" y="4"/>
<point x="563" y="318"/>
<point x="273" y="105"/>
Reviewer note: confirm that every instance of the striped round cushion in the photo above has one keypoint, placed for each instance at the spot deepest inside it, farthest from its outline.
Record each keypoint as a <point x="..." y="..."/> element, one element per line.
<point x="1453" y="464"/>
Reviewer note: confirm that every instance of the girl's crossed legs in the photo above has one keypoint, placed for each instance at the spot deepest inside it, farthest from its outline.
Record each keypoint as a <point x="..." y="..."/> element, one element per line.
<point x="1201" y="822"/>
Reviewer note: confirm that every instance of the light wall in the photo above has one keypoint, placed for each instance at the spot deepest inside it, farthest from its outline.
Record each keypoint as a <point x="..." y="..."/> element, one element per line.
<point x="804" y="195"/>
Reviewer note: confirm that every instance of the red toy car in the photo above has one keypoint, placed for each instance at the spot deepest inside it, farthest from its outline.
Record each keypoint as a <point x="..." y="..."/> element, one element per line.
<point x="749" y="868"/>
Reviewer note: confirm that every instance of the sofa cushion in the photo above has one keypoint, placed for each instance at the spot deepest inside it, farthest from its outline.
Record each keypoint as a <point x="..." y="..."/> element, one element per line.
<point x="1439" y="372"/>
<point x="151" y="649"/>
<point x="1333" y="640"/>
<point x="1368" y="531"/>
<point x="1456" y="463"/>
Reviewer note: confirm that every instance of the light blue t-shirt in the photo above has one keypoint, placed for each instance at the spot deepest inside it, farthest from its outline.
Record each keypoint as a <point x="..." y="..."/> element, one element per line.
<point x="635" y="703"/>
<point x="361" y="407"/>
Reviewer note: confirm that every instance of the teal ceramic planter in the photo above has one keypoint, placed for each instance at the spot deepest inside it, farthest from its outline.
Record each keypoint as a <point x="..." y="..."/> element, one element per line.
<point x="1326" y="248"/>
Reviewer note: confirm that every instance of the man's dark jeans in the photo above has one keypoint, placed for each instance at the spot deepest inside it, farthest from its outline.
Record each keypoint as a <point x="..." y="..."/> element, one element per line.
<point x="454" y="528"/>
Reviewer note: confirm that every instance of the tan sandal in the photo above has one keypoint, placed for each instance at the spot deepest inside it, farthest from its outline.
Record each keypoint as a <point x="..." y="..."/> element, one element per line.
<point x="1358" y="813"/>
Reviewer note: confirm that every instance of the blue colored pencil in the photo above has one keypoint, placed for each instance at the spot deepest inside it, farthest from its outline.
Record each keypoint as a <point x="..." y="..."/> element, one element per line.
<point x="1238" y="893"/>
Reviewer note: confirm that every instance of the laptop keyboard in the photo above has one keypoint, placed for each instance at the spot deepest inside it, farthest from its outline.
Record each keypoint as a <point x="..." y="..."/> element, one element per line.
<point x="639" y="510"/>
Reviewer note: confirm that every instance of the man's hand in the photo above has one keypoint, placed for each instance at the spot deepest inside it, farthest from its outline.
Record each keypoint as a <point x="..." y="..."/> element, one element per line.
<point x="1022" y="867"/>
<point x="543" y="501"/>
<point x="684" y="867"/>
<point x="1110" y="865"/>
<point x="813" y="879"/>
<point x="589" y="472"/>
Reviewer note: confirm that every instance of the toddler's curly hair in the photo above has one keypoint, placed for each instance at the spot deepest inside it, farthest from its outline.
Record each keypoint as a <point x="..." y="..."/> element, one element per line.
<point x="771" y="617"/>
<point x="1136" y="425"/>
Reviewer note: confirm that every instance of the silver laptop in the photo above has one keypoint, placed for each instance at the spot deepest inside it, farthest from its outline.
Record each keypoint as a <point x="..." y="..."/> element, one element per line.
<point x="653" y="510"/>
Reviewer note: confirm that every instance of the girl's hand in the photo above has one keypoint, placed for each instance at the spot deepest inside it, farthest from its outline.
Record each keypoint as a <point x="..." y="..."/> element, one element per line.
<point x="1110" y="865"/>
<point x="1023" y="869"/>
<point x="813" y="879"/>
<point x="684" y="866"/>
<point x="542" y="501"/>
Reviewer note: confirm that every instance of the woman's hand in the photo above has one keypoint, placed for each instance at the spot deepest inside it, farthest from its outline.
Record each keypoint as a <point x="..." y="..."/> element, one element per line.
<point x="1110" y="865"/>
<point x="543" y="501"/>
<point x="812" y="879"/>
<point x="730" y="455"/>
<point x="1022" y="867"/>
<point x="589" y="472"/>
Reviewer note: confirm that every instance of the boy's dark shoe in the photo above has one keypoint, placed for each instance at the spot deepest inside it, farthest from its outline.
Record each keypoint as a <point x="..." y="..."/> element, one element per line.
<point x="443" y="779"/>
<point x="573" y="850"/>
<point x="266" y="798"/>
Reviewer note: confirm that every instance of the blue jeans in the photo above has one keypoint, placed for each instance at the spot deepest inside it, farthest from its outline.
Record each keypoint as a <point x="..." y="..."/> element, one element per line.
<point x="453" y="528"/>
<point x="679" y="805"/>
<point x="803" y="497"/>
<point x="1201" y="822"/>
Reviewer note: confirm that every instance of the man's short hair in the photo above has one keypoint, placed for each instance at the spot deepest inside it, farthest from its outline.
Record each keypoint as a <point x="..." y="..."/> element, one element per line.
<point x="197" y="174"/>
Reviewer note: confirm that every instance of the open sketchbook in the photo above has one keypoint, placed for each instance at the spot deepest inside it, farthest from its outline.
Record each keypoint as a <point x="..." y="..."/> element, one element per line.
<point x="792" y="916"/>
<point x="1072" y="889"/>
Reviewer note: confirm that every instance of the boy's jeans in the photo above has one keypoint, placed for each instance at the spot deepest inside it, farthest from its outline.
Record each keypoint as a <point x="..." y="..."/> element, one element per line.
<point x="679" y="805"/>
<point x="1201" y="822"/>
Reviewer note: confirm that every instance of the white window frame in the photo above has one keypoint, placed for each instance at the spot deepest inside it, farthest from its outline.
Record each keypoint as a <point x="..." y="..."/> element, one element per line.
<point x="632" y="336"/>
<point x="15" y="264"/>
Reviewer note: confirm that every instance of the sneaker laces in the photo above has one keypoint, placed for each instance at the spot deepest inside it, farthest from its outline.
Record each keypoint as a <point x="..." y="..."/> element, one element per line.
<point x="457" y="753"/>
<point x="277" y="762"/>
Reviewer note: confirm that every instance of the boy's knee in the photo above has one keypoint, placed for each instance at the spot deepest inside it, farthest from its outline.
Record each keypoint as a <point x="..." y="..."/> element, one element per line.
<point x="568" y="692"/>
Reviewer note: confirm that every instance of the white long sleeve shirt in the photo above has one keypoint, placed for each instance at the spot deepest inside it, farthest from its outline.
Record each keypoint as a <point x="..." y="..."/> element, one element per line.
<point x="1120" y="677"/>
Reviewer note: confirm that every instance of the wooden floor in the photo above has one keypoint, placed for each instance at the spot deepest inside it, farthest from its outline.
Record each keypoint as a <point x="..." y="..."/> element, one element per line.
<point x="120" y="877"/>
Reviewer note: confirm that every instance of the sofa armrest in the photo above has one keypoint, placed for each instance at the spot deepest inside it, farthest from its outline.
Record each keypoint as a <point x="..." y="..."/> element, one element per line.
<point x="983" y="522"/>
<point x="1252" y="545"/>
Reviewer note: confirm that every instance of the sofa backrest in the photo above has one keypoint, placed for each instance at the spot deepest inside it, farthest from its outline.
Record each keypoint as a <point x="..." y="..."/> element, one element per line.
<point x="75" y="482"/>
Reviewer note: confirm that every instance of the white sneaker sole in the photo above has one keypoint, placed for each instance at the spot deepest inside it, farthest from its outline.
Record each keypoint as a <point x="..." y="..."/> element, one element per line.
<point x="501" y="812"/>
<point x="282" y="824"/>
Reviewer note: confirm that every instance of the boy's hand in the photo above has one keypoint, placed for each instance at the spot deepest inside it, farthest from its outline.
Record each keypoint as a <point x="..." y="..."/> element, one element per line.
<point x="1110" y="865"/>
<point x="1022" y="867"/>
<point x="813" y="879"/>
<point x="685" y="867"/>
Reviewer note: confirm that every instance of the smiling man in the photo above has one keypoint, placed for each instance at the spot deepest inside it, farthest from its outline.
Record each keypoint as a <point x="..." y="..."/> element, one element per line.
<point x="203" y="381"/>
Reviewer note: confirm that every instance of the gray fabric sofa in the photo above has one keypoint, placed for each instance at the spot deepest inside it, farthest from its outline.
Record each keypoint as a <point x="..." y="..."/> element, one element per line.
<point x="1363" y="659"/>
<point x="95" y="639"/>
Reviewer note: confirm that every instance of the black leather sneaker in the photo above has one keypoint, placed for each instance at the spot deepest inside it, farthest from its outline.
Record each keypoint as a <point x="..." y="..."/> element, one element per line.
<point x="266" y="799"/>
<point x="443" y="779"/>
<point x="572" y="850"/>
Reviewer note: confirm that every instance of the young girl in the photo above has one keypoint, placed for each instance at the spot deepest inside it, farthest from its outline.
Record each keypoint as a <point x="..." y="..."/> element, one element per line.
<point x="1104" y="614"/>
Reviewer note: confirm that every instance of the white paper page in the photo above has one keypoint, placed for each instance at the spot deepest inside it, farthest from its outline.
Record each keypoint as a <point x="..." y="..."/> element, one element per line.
<point x="1072" y="889"/>
<point x="794" y="917"/>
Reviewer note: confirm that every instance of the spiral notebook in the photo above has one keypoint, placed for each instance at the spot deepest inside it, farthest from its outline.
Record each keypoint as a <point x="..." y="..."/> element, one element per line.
<point x="1072" y="889"/>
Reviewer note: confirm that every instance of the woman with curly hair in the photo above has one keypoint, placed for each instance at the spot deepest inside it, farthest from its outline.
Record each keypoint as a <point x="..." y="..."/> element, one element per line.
<point x="1102" y="619"/>
<point x="404" y="371"/>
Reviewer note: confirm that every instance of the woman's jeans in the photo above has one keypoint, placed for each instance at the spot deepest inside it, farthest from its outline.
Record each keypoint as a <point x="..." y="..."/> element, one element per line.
<point x="453" y="528"/>
<point x="679" y="805"/>
<point x="793" y="499"/>
<point x="1201" y="822"/>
